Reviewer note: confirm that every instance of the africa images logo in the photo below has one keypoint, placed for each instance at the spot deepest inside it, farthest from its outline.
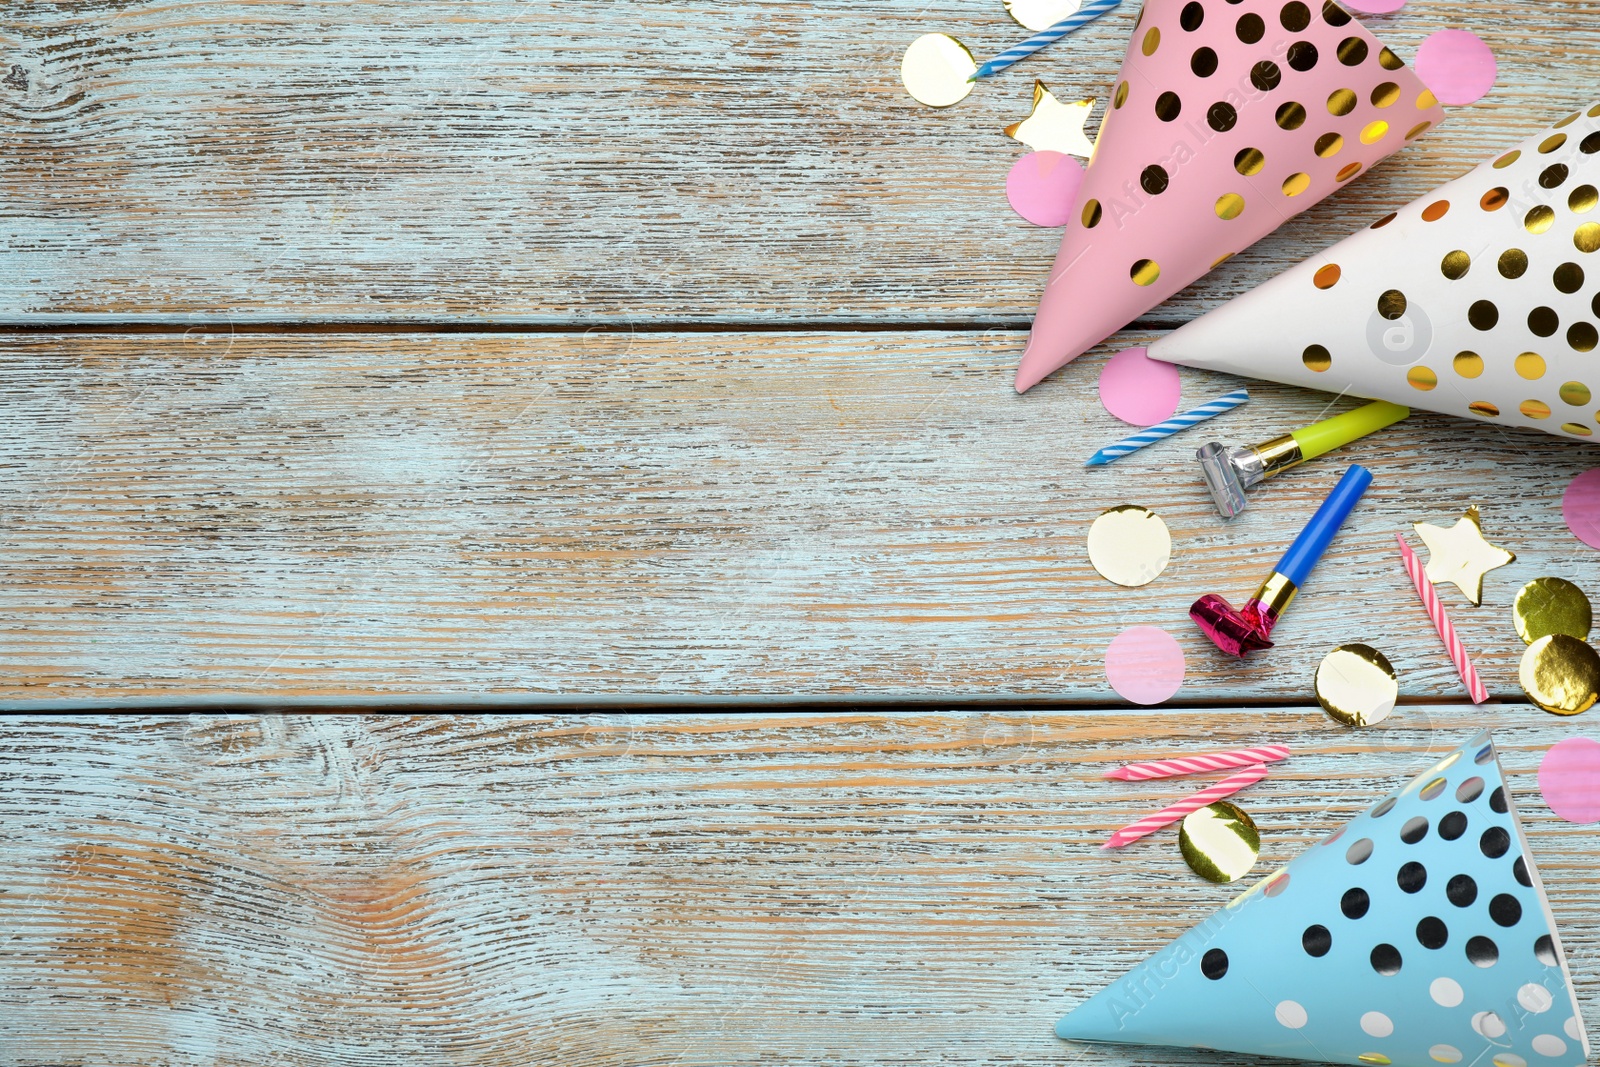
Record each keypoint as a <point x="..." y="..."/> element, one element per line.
<point x="1399" y="331"/>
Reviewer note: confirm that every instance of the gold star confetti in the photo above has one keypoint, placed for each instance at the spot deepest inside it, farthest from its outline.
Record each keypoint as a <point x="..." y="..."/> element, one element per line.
<point x="1460" y="555"/>
<point x="1054" y="126"/>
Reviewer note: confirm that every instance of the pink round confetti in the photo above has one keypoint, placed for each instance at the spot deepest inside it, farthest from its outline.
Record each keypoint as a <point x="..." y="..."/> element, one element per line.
<point x="1042" y="186"/>
<point x="1569" y="778"/>
<point x="1456" y="65"/>
<point x="1375" y="7"/>
<point x="1138" y="389"/>
<point x="1144" y="664"/>
<point x="1580" y="506"/>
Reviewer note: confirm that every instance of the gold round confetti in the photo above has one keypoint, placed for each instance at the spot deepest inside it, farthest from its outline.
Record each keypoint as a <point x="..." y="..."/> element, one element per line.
<point x="1229" y="205"/>
<point x="1121" y="96"/>
<point x="1534" y="409"/>
<point x="1341" y="101"/>
<point x="1219" y="842"/>
<point x="1575" y="428"/>
<point x="1316" y="358"/>
<point x="1373" y="131"/>
<point x="1568" y="121"/>
<point x="1291" y="116"/>
<point x="1574" y="393"/>
<point x="1551" y="143"/>
<point x="1585" y="238"/>
<point x="1529" y="365"/>
<point x="1561" y="674"/>
<point x="1483" y="314"/>
<point x="1355" y="685"/>
<point x="1426" y="99"/>
<point x="1384" y="94"/>
<point x="1389" y="61"/>
<point x="1583" y="199"/>
<point x="1548" y="606"/>
<point x="1484" y="408"/>
<point x="1381" y="223"/>
<point x="1144" y="271"/>
<point x="1326" y="277"/>
<point x="1455" y="264"/>
<point x="1582" y="336"/>
<point x="1328" y="145"/>
<point x="1417" y="131"/>
<point x="1513" y="263"/>
<point x="1039" y="15"/>
<point x="1296" y="183"/>
<point x="1152" y="41"/>
<point x="1249" y="161"/>
<point x="1091" y="214"/>
<point x="1467" y="364"/>
<point x="1495" y="198"/>
<point x="1422" y="378"/>
<point x="1129" y="545"/>
<point x="1435" y="211"/>
<point x="1348" y="171"/>
<point x="935" y="70"/>
<point x="1509" y="158"/>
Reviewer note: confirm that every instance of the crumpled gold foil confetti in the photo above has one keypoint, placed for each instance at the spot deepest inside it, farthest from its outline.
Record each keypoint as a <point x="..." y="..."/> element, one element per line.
<point x="1356" y="685"/>
<point x="935" y="70"/>
<point x="1460" y="555"/>
<point x="1039" y="15"/>
<point x="1129" y="545"/>
<point x="1551" y="606"/>
<point x="1219" y="842"/>
<point x="1561" y="674"/>
<point x="1054" y="126"/>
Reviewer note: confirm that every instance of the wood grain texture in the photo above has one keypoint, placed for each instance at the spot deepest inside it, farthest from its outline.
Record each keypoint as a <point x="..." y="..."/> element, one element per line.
<point x="663" y="891"/>
<point x="553" y="517"/>
<point x="617" y="162"/>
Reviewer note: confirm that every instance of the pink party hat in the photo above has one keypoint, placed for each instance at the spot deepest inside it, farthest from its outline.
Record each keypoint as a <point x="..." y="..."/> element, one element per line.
<point x="1477" y="300"/>
<point x="1229" y="117"/>
<point x="1418" y="934"/>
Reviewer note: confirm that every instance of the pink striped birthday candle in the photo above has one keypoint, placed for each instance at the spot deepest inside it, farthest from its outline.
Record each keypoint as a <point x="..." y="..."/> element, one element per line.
<point x="1442" y="623"/>
<point x="1211" y="761"/>
<point x="1173" y="812"/>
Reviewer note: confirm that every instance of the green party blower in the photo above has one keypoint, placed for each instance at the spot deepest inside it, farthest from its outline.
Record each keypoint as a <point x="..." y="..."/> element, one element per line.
<point x="1231" y="471"/>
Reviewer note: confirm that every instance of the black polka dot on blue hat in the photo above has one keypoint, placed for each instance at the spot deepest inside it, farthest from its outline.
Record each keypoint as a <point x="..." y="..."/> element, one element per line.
<point x="1416" y="935"/>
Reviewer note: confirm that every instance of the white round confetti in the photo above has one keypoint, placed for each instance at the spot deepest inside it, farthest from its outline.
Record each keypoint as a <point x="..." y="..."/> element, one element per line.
<point x="1488" y="1024"/>
<point x="1574" y="1029"/>
<point x="1446" y="992"/>
<point x="1536" y="998"/>
<point x="1549" y="1045"/>
<point x="1290" y="1014"/>
<point x="1445" y="1053"/>
<point x="1509" y="1059"/>
<point x="1377" y="1024"/>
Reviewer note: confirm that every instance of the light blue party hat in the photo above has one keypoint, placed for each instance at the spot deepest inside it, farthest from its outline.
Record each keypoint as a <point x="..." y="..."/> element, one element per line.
<point x="1417" y="935"/>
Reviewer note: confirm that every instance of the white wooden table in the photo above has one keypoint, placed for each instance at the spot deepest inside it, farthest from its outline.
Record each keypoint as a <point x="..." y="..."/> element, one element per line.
<point x="489" y="353"/>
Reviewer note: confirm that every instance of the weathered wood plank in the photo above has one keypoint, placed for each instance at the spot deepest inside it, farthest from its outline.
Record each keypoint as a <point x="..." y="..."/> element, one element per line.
<point x="850" y="515"/>
<point x="643" y="890"/>
<point x="632" y="161"/>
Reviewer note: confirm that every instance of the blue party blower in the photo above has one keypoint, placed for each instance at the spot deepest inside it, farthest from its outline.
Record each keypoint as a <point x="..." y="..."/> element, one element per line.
<point x="1240" y="631"/>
